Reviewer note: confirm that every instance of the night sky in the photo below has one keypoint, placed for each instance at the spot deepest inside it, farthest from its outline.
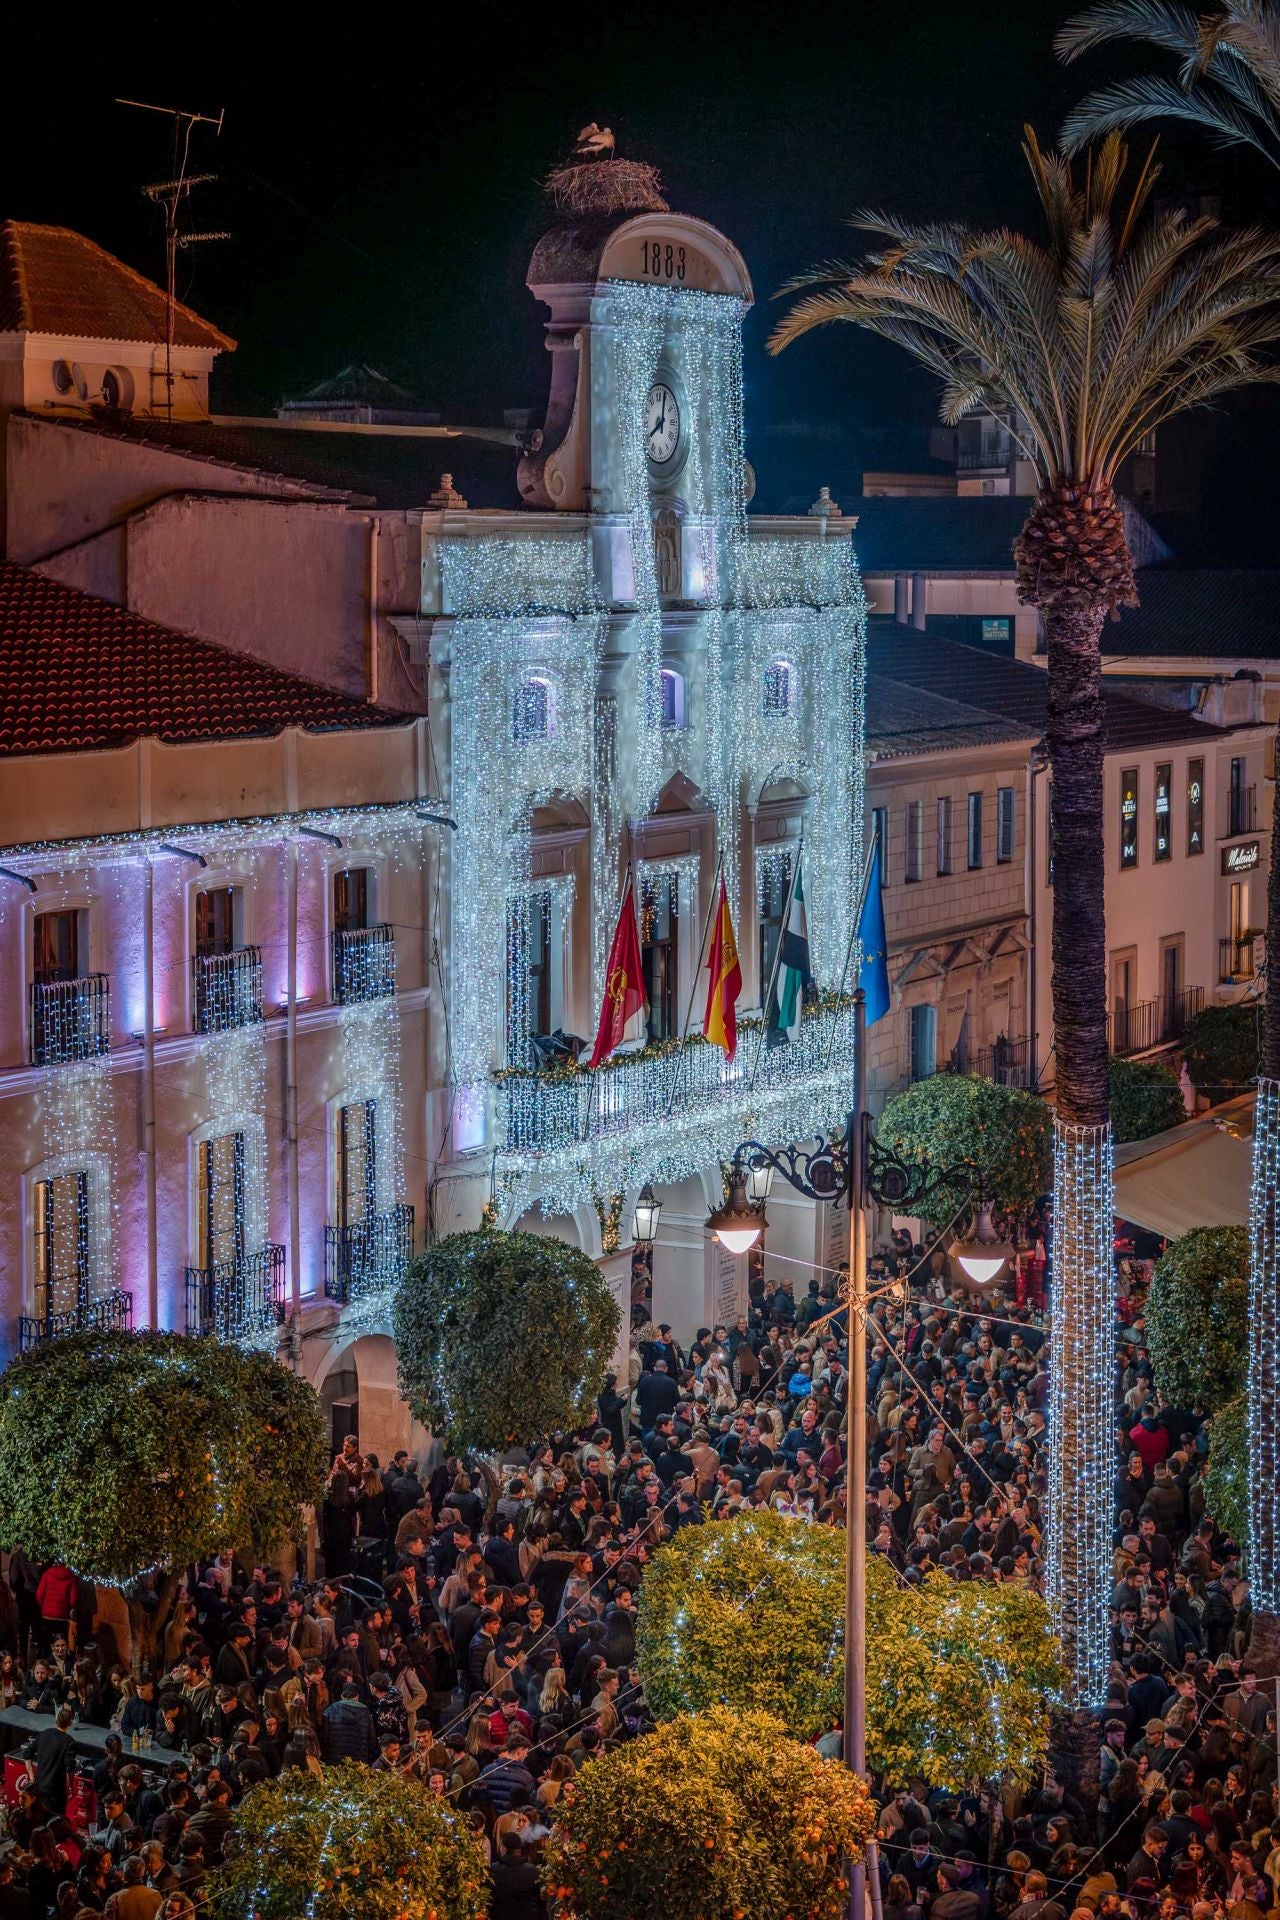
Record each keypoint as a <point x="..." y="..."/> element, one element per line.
<point x="380" y="178"/>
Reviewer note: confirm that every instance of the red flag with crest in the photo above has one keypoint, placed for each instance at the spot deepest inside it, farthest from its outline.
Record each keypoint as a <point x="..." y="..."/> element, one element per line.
<point x="623" y="981"/>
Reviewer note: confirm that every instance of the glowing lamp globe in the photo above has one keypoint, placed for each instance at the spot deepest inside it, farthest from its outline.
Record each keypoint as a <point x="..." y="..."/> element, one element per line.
<point x="984" y="1255"/>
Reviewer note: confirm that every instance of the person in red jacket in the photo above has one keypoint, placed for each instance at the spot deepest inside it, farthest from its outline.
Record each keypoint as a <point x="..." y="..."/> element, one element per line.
<point x="56" y="1593"/>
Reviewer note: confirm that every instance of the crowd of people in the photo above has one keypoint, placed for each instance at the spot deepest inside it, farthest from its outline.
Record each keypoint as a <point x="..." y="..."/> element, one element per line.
<point x="478" y="1632"/>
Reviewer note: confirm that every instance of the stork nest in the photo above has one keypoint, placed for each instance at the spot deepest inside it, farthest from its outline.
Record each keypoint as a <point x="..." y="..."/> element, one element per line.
<point x="606" y="186"/>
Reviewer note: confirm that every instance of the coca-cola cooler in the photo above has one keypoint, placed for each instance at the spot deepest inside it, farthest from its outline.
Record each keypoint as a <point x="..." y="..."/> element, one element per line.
<point x="18" y="1773"/>
<point x="82" y="1803"/>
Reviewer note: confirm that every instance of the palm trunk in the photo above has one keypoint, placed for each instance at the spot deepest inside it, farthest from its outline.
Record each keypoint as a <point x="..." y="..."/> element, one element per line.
<point x="1262" y="1395"/>
<point x="1073" y="564"/>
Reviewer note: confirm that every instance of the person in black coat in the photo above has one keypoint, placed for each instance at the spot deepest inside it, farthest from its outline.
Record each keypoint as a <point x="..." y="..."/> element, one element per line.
<point x="339" y="1524"/>
<point x="656" y="1393"/>
<point x="501" y="1554"/>
<point x="515" y="1884"/>
<point x="54" y="1752"/>
<point x="610" y="1407"/>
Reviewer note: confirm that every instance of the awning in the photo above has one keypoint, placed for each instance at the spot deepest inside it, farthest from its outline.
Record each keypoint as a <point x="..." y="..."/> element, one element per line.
<point x="1196" y="1175"/>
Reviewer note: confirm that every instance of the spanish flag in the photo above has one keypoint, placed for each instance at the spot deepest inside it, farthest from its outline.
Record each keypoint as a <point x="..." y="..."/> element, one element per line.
<point x="623" y="981"/>
<point x="720" y="1022"/>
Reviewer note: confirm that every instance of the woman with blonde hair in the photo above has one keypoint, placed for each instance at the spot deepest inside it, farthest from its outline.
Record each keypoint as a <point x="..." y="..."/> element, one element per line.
<point x="555" y="1697"/>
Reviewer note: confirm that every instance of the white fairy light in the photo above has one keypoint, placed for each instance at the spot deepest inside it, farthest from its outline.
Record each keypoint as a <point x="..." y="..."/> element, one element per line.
<point x="1262" y="1395"/>
<point x="1081" y="1400"/>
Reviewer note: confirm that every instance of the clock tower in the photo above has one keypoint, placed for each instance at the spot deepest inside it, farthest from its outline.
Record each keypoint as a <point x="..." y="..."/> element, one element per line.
<point x="615" y="236"/>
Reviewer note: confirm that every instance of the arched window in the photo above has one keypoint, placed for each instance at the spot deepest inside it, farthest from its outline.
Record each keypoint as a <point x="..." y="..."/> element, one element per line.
<point x="671" y="692"/>
<point x="535" y="711"/>
<point x="776" y="691"/>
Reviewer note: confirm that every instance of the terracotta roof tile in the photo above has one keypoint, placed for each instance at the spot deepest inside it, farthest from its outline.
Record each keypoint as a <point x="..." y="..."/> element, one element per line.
<point x="79" y="673"/>
<point x="53" y="280"/>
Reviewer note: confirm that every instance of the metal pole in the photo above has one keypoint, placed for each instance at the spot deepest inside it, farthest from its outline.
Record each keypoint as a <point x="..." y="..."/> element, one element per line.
<point x="291" y="1089"/>
<point x="149" y="1090"/>
<point x="855" y="1525"/>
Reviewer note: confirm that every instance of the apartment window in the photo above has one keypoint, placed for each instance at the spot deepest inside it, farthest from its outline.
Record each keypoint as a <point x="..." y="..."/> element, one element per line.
<point x="1195" y="806"/>
<point x="775" y="885"/>
<point x="1163" y="845"/>
<point x="1005" y="817"/>
<point x="914" y="869"/>
<point x="357" y="1162"/>
<point x="776" y="696"/>
<point x="61" y="1248"/>
<point x="534" y="717"/>
<point x="1240" y="809"/>
<point x="1129" y="817"/>
<point x="659" y="952"/>
<point x="58" y="949"/>
<point x="975" y="830"/>
<point x="671" y="692"/>
<point x="217" y="921"/>
<point x="924" y="1042"/>
<point x="528" y="975"/>
<point x="944" y="834"/>
<point x="220" y="1201"/>
<point x="880" y="828"/>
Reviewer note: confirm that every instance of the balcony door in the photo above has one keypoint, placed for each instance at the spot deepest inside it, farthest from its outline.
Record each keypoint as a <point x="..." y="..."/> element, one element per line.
<point x="57" y="951"/>
<point x="216" y="921"/>
<point x="357" y="1162"/>
<point x="221" y="1201"/>
<point x="61" y="1250"/>
<point x="530" y="1014"/>
<point x="775" y="885"/>
<point x="352" y="900"/>
<point x="659" y="952"/>
<point x="1171" y="990"/>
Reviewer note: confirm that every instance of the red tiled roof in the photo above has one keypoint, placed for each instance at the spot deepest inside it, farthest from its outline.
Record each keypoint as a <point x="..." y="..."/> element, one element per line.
<point x="77" y="672"/>
<point x="53" y="280"/>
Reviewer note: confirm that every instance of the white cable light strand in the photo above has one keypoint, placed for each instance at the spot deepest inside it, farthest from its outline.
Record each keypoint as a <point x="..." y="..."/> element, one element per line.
<point x="1081" y="1405"/>
<point x="1262" y="1396"/>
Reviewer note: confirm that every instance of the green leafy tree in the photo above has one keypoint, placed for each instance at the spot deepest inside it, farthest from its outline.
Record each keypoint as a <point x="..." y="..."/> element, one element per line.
<point x="749" y="1613"/>
<point x="129" y="1455"/>
<point x="1146" y="1098"/>
<point x="1002" y="1137"/>
<point x="349" y="1844"/>
<point x="1226" y="1480"/>
<point x="718" y="1814"/>
<point x="503" y="1338"/>
<point x="1221" y="1049"/>
<point x="1197" y="1317"/>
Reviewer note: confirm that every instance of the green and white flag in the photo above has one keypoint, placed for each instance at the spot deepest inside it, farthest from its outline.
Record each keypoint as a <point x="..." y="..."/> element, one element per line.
<point x="793" y="976"/>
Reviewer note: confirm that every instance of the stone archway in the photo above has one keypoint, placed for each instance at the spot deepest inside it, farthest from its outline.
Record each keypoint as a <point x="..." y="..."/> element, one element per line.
<point x="366" y="1370"/>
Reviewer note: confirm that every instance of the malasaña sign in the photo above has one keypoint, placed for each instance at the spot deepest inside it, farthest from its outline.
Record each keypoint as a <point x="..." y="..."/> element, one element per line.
<point x="1242" y="859"/>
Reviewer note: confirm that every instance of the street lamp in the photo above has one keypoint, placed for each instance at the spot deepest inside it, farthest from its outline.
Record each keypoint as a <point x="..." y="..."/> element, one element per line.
<point x="738" y="1224"/>
<point x="644" y="1221"/>
<point x="982" y="1255"/>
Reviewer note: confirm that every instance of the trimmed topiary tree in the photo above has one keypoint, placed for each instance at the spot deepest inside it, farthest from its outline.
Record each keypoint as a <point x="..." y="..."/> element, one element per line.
<point x="503" y="1338"/>
<point x="1146" y="1098"/>
<point x="749" y="1613"/>
<point x="1222" y="1050"/>
<point x="349" y="1844"/>
<point x="716" y="1596"/>
<point x="126" y="1455"/>
<point x="1196" y="1317"/>
<point x="717" y="1814"/>
<point x="1003" y="1134"/>
<point x="1226" y="1477"/>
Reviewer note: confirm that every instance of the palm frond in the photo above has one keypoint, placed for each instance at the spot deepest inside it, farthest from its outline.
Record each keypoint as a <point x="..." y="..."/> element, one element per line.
<point x="1159" y="22"/>
<point x="1244" y="37"/>
<point x="1129" y="103"/>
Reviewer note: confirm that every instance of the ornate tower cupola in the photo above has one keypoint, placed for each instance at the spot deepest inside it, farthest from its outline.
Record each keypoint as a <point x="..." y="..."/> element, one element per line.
<point x="613" y="226"/>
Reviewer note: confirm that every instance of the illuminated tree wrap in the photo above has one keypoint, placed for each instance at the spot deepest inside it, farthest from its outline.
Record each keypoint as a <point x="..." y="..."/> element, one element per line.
<point x="349" y="1844"/>
<point x="503" y="1338"/>
<point x="748" y="1613"/>
<point x="1000" y="1136"/>
<point x="1262" y="1392"/>
<point x="1196" y="1317"/>
<point x="1081" y="1405"/>
<point x="717" y="1814"/>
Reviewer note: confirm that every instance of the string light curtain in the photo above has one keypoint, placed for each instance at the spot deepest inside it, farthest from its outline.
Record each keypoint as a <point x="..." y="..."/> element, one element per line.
<point x="1262" y="1397"/>
<point x="1082" y="1405"/>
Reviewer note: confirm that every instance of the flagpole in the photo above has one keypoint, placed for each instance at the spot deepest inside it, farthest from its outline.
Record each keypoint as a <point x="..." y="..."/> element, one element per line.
<point x="777" y="962"/>
<point x="712" y="904"/>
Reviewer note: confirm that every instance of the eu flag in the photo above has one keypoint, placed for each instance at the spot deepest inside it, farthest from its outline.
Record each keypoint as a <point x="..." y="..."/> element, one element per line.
<point x="874" y="944"/>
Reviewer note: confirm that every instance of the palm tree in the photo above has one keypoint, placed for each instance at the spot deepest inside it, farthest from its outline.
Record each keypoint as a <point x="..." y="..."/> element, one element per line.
<point x="1121" y="318"/>
<point x="1228" y="77"/>
<point x="1229" y="83"/>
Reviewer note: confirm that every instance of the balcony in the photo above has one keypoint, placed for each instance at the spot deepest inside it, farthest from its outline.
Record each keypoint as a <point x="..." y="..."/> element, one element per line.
<point x="1152" y="1023"/>
<point x="1006" y="1062"/>
<point x="363" y="965"/>
<point x="1242" y="811"/>
<point x="226" y="990"/>
<point x="1237" y="961"/>
<point x="114" y="1312"/>
<point x="991" y="457"/>
<point x="549" y="1112"/>
<point x="239" y="1300"/>
<point x="367" y="1256"/>
<point x="70" y="1020"/>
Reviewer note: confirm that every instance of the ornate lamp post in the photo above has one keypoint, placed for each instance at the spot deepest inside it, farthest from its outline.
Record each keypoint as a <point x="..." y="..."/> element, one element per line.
<point x="860" y="1171"/>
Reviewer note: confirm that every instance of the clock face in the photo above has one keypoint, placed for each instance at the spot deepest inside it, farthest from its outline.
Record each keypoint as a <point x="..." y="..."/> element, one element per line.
<point x="661" y="425"/>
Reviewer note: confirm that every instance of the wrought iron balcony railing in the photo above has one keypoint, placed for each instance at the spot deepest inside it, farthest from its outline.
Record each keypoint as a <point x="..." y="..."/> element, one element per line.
<point x="1007" y="1062"/>
<point x="226" y="990"/>
<point x="1237" y="960"/>
<point x="369" y="1255"/>
<point x="70" y="1020"/>
<point x="114" y="1310"/>
<point x="364" y="965"/>
<point x="240" y="1298"/>
<point x="541" y="1112"/>
<point x="1153" y="1023"/>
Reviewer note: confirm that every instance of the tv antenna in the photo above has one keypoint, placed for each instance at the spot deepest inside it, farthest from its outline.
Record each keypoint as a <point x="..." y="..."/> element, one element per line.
<point x="169" y="196"/>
